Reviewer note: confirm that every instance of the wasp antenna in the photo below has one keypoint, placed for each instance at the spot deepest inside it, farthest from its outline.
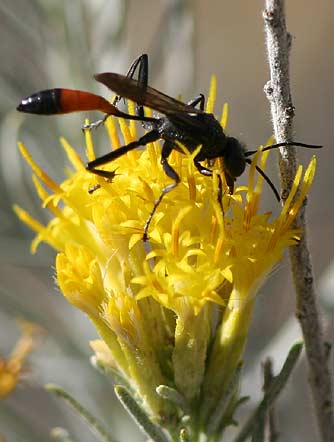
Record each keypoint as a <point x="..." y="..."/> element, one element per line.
<point x="261" y="172"/>
<point x="287" y="144"/>
<point x="292" y="143"/>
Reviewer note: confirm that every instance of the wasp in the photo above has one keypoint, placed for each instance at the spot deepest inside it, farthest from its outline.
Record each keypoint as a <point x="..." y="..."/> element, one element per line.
<point x="179" y="123"/>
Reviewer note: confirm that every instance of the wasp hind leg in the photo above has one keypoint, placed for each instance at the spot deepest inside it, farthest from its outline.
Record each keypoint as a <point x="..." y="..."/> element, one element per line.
<point x="151" y="136"/>
<point x="95" y="124"/>
<point x="198" y="100"/>
<point x="140" y="64"/>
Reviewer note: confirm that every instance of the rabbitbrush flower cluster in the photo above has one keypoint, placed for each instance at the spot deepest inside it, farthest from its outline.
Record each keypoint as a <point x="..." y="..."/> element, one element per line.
<point x="173" y="314"/>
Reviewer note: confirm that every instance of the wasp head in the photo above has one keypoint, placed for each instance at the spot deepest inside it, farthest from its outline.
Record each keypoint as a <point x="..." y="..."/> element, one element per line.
<point x="234" y="157"/>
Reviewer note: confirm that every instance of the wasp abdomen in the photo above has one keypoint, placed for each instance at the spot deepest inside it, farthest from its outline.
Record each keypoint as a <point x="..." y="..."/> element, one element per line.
<point x="44" y="103"/>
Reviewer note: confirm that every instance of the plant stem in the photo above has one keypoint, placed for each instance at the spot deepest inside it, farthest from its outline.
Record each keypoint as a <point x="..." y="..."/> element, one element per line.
<point x="282" y="110"/>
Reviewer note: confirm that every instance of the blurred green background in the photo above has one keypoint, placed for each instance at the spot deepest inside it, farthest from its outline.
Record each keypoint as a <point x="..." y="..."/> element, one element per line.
<point x="54" y="43"/>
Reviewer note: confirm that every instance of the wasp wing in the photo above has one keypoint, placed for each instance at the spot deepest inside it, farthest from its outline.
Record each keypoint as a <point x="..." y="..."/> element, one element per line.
<point x="144" y="95"/>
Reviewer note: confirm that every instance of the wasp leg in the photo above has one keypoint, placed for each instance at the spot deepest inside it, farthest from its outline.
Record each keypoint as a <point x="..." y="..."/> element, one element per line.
<point x="141" y="63"/>
<point x="170" y="172"/>
<point x="200" y="99"/>
<point x="203" y="170"/>
<point x="230" y="183"/>
<point x="151" y="136"/>
<point x="207" y="172"/>
<point x="220" y="193"/>
<point x="95" y="124"/>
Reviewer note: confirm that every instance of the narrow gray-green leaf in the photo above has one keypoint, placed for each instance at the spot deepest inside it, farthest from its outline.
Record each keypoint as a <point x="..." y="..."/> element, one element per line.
<point x="174" y="396"/>
<point x="94" y="424"/>
<point x="139" y="415"/>
<point x="107" y="370"/>
<point x="184" y="436"/>
<point x="258" y="433"/>
<point x="61" y="435"/>
<point x="218" y="414"/>
<point x="271" y="394"/>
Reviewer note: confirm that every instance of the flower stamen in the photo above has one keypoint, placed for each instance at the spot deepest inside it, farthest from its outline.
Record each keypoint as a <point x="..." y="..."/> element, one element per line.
<point x="38" y="171"/>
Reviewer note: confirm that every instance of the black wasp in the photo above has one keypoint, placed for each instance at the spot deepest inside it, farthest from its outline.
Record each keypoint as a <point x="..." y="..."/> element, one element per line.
<point x="180" y="123"/>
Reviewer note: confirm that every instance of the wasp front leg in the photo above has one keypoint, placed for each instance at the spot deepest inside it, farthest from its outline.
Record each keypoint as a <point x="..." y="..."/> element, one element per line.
<point x="208" y="172"/>
<point x="170" y="172"/>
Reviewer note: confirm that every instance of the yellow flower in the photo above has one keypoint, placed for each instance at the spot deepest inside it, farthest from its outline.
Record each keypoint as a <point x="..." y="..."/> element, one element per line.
<point x="12" y="368"/>
<point x="156" y="305"/>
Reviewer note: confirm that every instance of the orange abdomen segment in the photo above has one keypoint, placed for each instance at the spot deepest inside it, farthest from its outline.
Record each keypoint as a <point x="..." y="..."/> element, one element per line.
<point x="76" y="101"/>
<point x="63" y="101"/>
